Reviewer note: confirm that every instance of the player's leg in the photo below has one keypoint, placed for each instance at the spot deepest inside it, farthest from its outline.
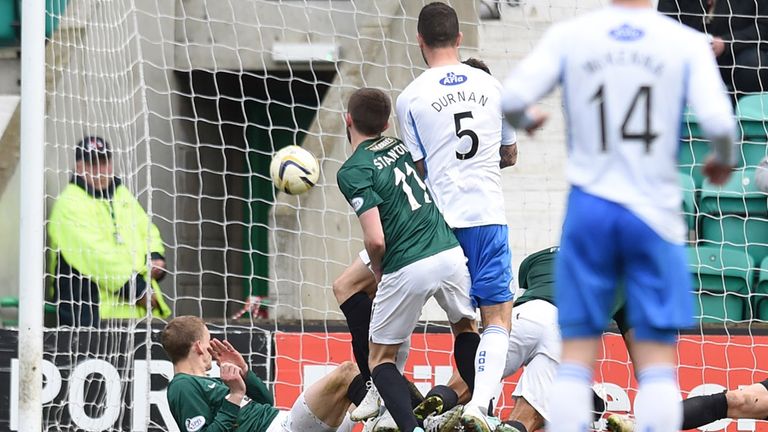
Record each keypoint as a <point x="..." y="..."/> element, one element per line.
<point x="585" y="276"/>
<point x="535" y="342"/>
<point x="397" y="307"/>
<point x="750" y="402"/>
<point x="659" y="303"/>
<point x="327" y="398"/>
<point x="489" y="262"/>
<point x="453" y="296"/>
<point x="354" y="289"/>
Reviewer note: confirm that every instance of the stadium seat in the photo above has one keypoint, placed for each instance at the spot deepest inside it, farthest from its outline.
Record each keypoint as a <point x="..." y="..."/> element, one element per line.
<point x="739" y="196"/>
<point x="735" y="214"/>
<point x="693" y="148"/>
<point x="761" y="292"/>
<point x="722" y="278"/>
<point x="752" y="112"/>
<point x="693" y="151"/>
<point x="737" y="232"/>
<point x="689" y="199"/>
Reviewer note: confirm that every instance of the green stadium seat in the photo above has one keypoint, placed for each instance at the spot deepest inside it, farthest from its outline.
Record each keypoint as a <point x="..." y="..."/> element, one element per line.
<point x="722" y="278"/>
<point x="735" y="214"/>
<point x="689" y="199"/>
<point x="737" y="232"/>
<point x="739" y="196"/>
<point x="753" y="108"/>
<point x="752" y="112"/>
<point x="761" y="292"/>
<point x="691" y="157"/>
<point x="693" y="148"/>
<point x="753" y="152"/>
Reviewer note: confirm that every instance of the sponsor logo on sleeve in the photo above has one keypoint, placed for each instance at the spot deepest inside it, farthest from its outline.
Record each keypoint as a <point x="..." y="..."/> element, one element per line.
<point x="453" y="79"/>
<point x="627" y="33"/>
<point x="357" y="203"/>
<point x="194" y="424"/>
<point x="212" y="385"/>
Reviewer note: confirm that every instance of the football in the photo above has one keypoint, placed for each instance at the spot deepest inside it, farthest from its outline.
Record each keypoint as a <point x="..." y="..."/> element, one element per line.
<point x="294" y="170"/>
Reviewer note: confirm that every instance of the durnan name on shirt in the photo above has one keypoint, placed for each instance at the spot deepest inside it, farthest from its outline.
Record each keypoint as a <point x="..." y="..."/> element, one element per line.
<point x="458" y="96"/>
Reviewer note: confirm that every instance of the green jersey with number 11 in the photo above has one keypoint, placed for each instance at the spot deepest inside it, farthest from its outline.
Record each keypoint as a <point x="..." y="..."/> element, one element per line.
<point x="380" y="173"/>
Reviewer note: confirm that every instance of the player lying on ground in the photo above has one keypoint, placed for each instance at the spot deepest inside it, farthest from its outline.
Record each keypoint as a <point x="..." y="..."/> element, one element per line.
<point x="750" y="402"/>
<point x="414" y="255"/>
<point x="623" y="219"/>
<point x="239" y="400"/>
<point x="534" y="342"/>
<point x="450" y="119"/>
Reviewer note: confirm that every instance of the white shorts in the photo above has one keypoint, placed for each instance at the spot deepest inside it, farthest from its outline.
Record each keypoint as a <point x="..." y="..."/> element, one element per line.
<point x="535" y="343"/>
<point x="298" y="419"/>
<point x="402" y="294"/>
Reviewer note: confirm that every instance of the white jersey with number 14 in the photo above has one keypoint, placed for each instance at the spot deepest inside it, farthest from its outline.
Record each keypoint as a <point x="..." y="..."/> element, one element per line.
<point x="450" y="117"/>
<point x="627" y="75"/>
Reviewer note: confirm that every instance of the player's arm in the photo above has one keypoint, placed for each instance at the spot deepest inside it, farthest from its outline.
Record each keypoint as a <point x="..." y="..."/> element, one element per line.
<point x="533" y="79"/>
<point x="707" y="96"/>
<point x="508" y="149"/>
<point x="257" y="390"/>
<point x="356" y="183"/>
<point x="409" y="134"/>
<point x="373" y="239"/>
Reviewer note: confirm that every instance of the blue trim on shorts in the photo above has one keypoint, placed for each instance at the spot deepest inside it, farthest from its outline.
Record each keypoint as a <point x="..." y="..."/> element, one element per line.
<point x="489" y="260"/>
<point x="604" y="243"/>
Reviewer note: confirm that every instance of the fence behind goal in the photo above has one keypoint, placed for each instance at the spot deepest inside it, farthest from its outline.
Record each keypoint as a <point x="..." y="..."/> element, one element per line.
<point x="195" y="96"/>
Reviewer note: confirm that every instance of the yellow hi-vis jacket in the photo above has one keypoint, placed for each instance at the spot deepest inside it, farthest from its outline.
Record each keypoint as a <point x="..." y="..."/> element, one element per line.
<point x="106" y="241"/>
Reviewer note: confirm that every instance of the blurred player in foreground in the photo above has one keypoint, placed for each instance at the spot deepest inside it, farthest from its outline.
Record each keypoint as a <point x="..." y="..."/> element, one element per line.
<point x="239" y="400"/>
<point x="450" y="119"/>
<point x="414" y="255"/>
<point x="626" y="73"/>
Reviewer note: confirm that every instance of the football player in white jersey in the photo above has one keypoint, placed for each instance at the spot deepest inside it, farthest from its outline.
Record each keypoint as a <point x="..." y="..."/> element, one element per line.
<point x="626" y="74"/>
<point x="450" y="118"/>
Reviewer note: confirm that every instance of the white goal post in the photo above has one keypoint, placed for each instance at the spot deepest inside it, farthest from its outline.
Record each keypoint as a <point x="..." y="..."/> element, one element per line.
<point x="194" y="96"/>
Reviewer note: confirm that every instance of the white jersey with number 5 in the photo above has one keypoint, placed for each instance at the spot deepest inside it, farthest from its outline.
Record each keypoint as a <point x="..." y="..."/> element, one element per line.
<point x="450" y="117"/>
<point x="627" y="75"/>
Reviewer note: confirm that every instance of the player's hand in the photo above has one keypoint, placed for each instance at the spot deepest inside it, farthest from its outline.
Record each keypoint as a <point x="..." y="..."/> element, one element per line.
<point x="718" y="46"/>
<point x="537" y="119"/>
<point x="225" y="353"/>
<point x="717" y="172"/>
<point x="230" y="374"/>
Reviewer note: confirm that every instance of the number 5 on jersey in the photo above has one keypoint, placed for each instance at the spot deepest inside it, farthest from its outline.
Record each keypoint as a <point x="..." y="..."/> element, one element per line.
<point x="402" y="180"/>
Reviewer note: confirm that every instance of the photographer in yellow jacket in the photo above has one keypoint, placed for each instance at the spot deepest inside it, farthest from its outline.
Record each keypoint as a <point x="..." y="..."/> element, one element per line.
<point x="101" y="240"/>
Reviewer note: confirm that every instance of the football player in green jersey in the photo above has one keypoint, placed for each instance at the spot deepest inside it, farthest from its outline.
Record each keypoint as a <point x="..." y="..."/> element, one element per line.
<point x="414" y="254"/>
<point x="239" y="400"/>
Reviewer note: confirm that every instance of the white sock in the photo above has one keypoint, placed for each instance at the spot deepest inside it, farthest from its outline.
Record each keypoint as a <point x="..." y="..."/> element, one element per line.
<point x="490" y="360"/>
<point x="570" y="399"/>
<point x="657" y="404"/>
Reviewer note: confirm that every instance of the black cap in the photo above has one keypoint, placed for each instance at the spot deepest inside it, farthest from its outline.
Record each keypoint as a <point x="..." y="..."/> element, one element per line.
<point x="92" y="148"/>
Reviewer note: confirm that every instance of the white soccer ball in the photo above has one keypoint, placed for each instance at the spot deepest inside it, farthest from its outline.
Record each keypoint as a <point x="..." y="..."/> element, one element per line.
<point x="294" y="170"/>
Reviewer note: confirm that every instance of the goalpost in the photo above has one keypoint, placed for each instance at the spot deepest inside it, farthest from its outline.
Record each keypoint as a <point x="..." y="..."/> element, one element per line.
<point x="194" y="97"/>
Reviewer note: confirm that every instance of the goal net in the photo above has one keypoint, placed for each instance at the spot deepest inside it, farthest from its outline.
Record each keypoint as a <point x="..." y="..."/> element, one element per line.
<point x="193" y="97"/>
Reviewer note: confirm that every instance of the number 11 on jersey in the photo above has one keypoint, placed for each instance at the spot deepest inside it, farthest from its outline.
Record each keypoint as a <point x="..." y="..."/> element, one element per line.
<point x="402" y="179"/>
